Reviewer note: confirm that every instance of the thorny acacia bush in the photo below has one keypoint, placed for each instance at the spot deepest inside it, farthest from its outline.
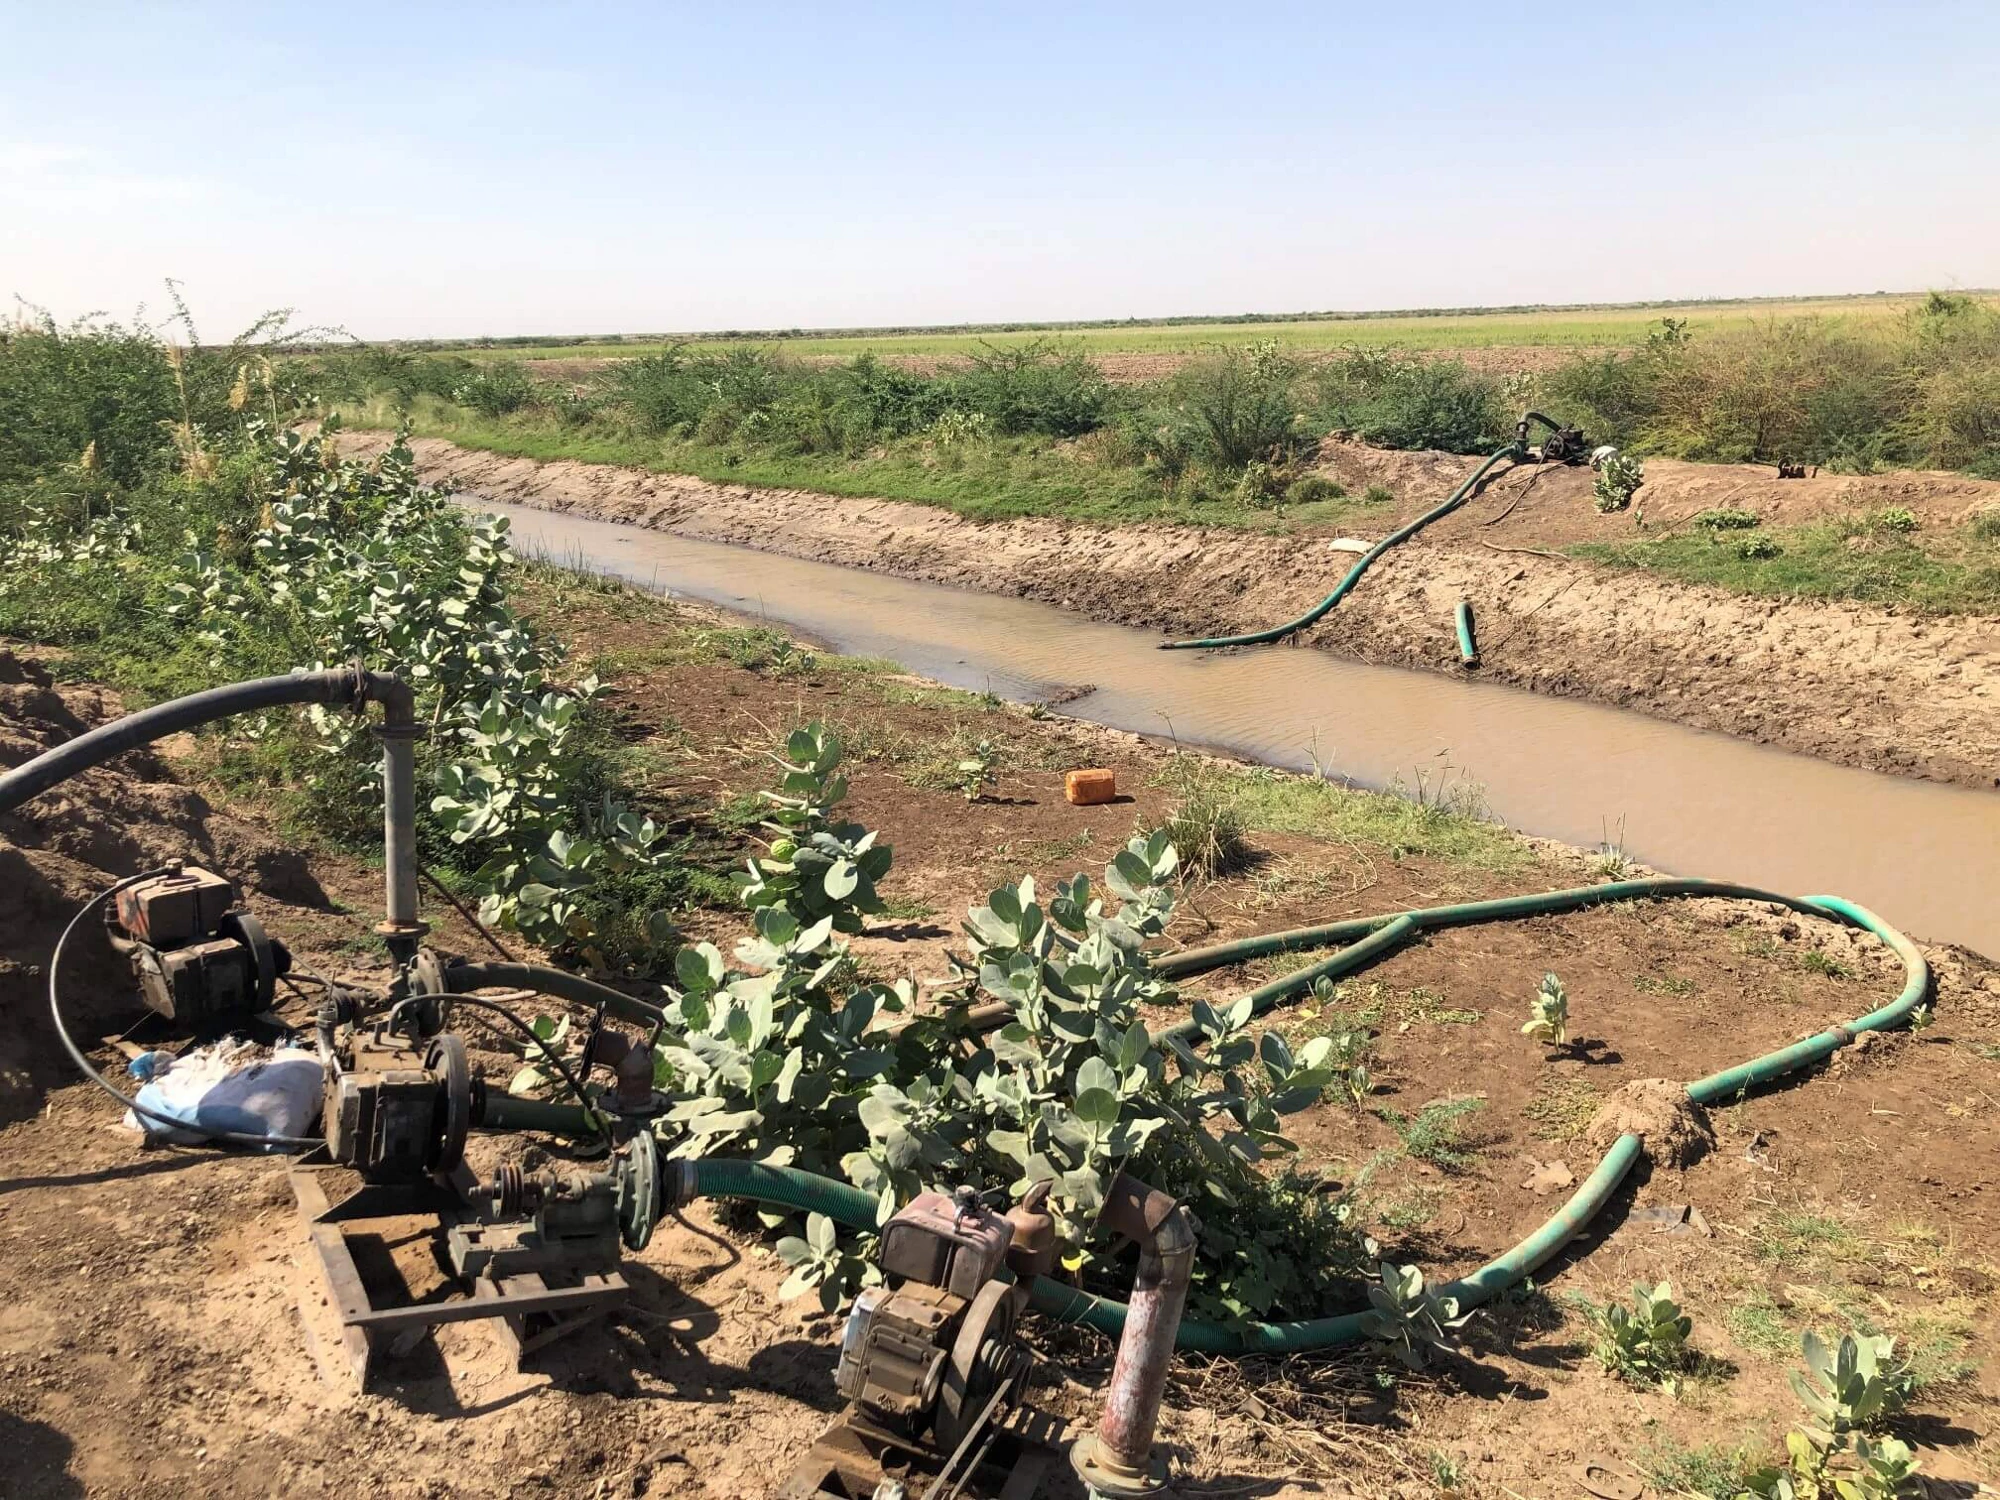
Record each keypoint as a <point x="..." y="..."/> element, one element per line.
<point x="1226" y="410"/>
<point x="1396" y="401"/>
<point x="755" y="396"/>
<point x="246" y="548"/>
<point x="774" y="1053"/>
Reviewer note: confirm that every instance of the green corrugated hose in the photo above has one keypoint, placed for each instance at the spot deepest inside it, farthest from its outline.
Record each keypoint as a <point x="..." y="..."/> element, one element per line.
<point x="1514" y="452"/>
<point x="1369" y="938"/>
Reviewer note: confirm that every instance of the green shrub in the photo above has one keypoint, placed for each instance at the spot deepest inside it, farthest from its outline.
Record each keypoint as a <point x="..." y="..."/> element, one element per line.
<point x="780" y="1060"/>
<point x="1727" y="520"/>
<point x="1618" y="480"/>
<point x="496" y="389"/>
<point x="100" y="386"/>
<point x="1225" y="410"/>
<point x="243" y="548"/>
<point x="1035" y="387"/>
<point x="1313" y="487"/>
<point x="1394" y="401"/>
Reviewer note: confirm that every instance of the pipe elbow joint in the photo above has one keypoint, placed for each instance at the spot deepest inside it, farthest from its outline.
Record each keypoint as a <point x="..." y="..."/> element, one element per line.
<point x="397" y="697"/>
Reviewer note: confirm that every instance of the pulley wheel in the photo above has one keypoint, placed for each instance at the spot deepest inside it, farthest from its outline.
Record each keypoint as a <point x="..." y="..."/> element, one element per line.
<point x="977" y="1360"/>
<point x="248" y="931"/>
<point x="446" y="1057"/>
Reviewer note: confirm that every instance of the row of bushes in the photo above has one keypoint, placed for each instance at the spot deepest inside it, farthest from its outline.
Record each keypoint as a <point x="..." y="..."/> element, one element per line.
<point x="1923" y="390"/>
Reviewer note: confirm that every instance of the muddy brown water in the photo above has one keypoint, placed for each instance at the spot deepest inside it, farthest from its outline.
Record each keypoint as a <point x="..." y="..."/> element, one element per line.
<point x="1924" y="855"/>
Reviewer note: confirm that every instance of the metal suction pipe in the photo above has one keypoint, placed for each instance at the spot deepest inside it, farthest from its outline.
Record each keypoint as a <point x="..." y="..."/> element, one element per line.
<point x="1117" y="1461"/>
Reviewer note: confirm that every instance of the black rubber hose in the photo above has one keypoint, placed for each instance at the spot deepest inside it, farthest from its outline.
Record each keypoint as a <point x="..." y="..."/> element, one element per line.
<point x="496" y="976"/>
<point x="341" y="685"/>
<point x="230" y="1137"/>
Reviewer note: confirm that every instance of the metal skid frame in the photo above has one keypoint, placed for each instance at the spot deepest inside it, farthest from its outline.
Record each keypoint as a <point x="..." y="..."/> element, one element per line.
<point x="527" y="1309"/>
<point x="855" y="1454"/>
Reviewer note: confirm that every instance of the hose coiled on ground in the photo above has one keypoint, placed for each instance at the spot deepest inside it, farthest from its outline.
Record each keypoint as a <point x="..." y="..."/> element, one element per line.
<point x="1369" y="938"/>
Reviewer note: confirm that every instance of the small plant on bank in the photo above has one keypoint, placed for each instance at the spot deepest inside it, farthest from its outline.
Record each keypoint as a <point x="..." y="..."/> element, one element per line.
<point x="1408" y="1318"/>
<point x="1618" y="479"/>
<point x="1727" y="520"/>
<point x="1845" y="1391"/>
<point x="1314" y="487"/>
<point x="1645" y="1343"/>
<point x="1377" y="494"/>
<point x="976" y="770"/>
<point x="819" y="1263"/>
<point x="1758" y="549"/>
<point x="1852" y="1387"/>
<point x="1206" y="824"/>
<point x="1548" y="1014"/>
<point x="1897" y="518"/>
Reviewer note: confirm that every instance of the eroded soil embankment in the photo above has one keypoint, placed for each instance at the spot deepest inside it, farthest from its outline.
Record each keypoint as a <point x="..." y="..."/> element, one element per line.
<point x="1849" y="683"/>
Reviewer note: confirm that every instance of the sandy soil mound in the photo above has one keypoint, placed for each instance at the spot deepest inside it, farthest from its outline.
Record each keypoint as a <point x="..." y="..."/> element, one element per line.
<point x="1850" y="683"/>
<point x="1674" y="1128"/>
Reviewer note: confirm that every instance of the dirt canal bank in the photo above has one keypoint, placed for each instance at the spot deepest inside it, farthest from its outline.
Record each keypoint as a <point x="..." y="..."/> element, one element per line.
<point x="1853" y="684"/>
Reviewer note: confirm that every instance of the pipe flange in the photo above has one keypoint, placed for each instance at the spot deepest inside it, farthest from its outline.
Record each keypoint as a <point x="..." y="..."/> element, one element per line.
<point x="427" y="973"/>
<point x="1105" y="1476"/>
<point x="639" y="1191"/>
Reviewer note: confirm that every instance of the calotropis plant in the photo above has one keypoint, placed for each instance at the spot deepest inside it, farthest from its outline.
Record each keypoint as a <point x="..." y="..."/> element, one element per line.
<point x="363" y="561"/>
<point x="781" y="1056"/>
<point x="1408" y="1317"/>
<point x="817" y="867"/>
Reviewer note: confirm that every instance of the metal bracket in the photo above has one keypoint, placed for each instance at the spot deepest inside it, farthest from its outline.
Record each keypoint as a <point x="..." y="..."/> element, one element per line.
<point x="529" y="1310"/>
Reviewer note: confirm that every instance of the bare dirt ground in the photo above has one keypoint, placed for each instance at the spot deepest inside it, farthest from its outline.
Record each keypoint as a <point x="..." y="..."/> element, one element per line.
<point x="151" y="1334"/>
<point x="1882" y="689"/>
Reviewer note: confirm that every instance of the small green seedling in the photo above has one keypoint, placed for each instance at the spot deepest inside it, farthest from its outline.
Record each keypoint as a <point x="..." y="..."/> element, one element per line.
<point x="1548" y="1013"/>
<point x="1646" y="1342"/>
<point x="1407" y="1317"/>
<point x="818" y="1262"/>
<point x="1618" y="479"/>
<point x="975" y="772"/>
<point x="1850" y="1388"/>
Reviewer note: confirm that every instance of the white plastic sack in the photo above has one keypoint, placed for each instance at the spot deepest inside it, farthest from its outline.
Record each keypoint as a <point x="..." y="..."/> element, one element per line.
<point x="230" y="1085"/>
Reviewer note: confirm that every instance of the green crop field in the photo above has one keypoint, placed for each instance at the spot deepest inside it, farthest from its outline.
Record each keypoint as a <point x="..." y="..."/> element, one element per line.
<point x="1560" y="328"/>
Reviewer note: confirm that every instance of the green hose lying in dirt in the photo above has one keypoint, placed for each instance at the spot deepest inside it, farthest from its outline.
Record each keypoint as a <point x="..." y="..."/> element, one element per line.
<point x="1515" y="452"/>
<point x="1368" y="938"/>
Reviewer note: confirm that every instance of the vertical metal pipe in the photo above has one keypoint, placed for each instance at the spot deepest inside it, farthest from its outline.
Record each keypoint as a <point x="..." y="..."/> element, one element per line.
<point x="1118" y="1461"/>
<point x="401" y="926"/>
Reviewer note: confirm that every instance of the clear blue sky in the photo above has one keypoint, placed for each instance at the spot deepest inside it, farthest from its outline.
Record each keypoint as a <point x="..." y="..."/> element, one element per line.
<point x="431" y="169"/>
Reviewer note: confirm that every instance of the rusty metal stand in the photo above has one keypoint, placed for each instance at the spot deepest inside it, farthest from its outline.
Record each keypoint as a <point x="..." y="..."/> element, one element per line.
<point x="529" y="1310"/>
<point x="855" y="1455"/>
